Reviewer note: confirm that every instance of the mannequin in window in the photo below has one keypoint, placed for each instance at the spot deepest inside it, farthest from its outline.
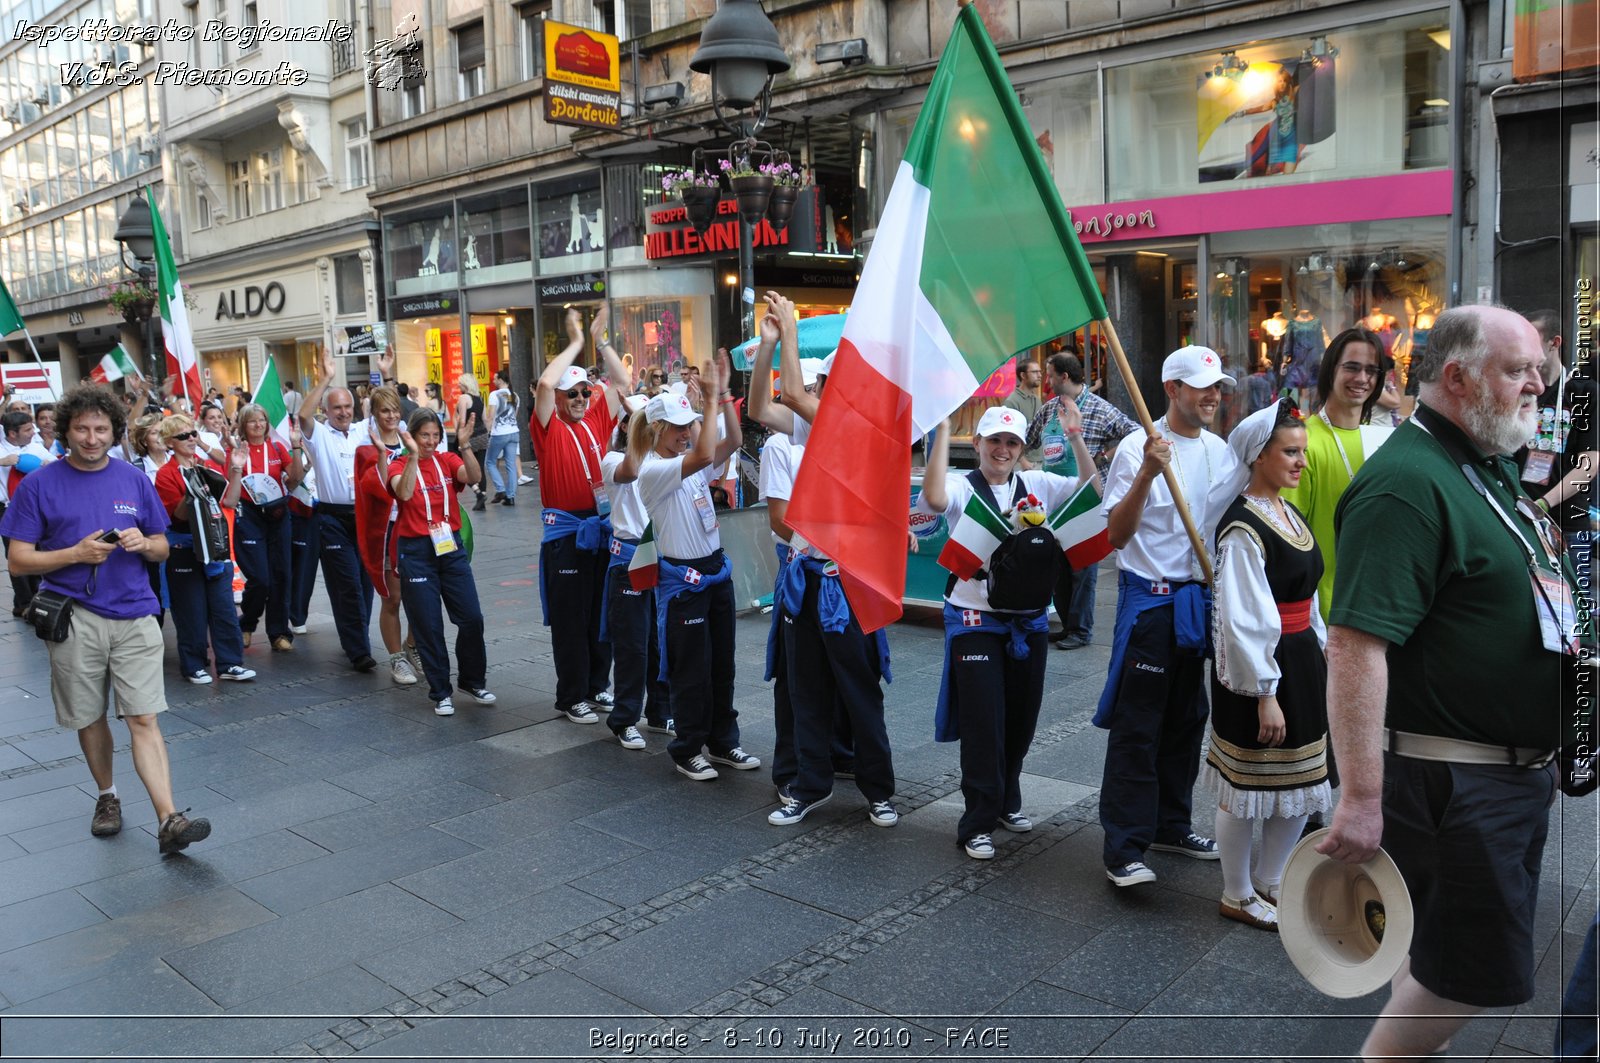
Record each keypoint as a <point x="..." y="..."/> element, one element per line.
<point x="1283" y="141"/>
<point x="1306" y="342"/>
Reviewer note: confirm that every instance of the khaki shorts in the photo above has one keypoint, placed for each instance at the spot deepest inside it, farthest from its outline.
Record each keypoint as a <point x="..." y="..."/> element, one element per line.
<point x="101" y="655"/>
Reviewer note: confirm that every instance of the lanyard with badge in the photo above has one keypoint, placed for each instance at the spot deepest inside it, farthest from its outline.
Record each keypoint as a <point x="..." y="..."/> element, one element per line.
<point x="703" y="507"/>
<point x="444" y="540"/>
<point x="602" y="500"/>
<point x="1348" y="471"/>
<point x="1549" y="439"/>
<point x="1560" y="624"/>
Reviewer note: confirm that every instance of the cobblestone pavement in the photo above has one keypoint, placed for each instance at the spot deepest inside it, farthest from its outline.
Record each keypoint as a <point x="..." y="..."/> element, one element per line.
<point x="382" y="882"/>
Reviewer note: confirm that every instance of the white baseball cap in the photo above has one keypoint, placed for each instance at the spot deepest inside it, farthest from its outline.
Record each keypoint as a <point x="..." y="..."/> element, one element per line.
<point x="827" y="363"/>
<point x="572" y="378"/>
<point x="998" y="419"/>
<point x="671" y="408"/>
<point x="810" y="369"/>
<point x="634" y="403"/>
<point x="1199" y="367"/>
<point x="1345" y="927"/>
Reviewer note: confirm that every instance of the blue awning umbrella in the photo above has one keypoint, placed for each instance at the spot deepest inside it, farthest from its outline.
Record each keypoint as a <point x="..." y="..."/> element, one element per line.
<point x="818" y="337"/>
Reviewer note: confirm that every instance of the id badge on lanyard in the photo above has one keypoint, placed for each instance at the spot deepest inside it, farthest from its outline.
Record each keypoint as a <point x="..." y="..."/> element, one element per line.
<point x="444" y="540"/>
<point x="602" y="499"/>
<point x="703" y="507"/>
<point x="1558" y="614"/>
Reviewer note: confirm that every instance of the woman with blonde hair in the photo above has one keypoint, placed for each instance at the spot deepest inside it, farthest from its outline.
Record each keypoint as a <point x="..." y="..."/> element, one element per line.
<point x="144" y="446"/>
<point x="376" y="513"/>
<point x="471" y="401"/>
<point x="261" y="527"/>
<point x="199" y="572"/>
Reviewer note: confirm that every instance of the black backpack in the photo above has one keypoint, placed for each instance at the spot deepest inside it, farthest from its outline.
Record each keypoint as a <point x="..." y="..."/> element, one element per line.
<point x="1021" y="573"/>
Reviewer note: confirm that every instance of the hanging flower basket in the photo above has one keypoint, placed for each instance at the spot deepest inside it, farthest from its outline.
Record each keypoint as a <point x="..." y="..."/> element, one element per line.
<point x="700" y="203"/>
<point x="781" y="206"/>
<point x="755" y="192"/>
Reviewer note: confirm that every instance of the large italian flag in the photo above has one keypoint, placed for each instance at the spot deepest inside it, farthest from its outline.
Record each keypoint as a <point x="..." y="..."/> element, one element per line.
<point x="175" y="333"/>
<point x="269" y="396"/>
<point x="975" y="260"/>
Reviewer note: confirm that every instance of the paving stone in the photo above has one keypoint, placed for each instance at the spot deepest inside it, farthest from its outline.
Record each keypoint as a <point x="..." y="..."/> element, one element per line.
<point x="222" y="865"/>
<point x="868" y="871"/>
<point x="45" y="807"/>
<point x="286" y="807"/>
<point x="524" y="816"/>
<point x="913" y="973"/>
<point x="71" y="865"/>
<point x="123" y="946"/>
<point x="241" y="966"/>
<point x="695" y="854"/>
<point x="483" y="881"/>
<point x="45" y="917"/>
<point x="426" y="961"/>
<point x="424" y="806"/>
<point x="648" y="969"/>
<point x="145" y="988"/>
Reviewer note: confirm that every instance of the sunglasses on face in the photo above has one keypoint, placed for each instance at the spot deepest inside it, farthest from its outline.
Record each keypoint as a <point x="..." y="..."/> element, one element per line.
<point x="578" y="393"/>
<point x="1357" y="369"/>
<point x="186" y="435"/>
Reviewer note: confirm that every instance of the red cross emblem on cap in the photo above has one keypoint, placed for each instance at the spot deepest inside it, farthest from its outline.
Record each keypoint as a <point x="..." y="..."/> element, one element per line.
<point x="971" y="618"/>
<point x="1208" y="360"/>
<point x="691" y="576"/>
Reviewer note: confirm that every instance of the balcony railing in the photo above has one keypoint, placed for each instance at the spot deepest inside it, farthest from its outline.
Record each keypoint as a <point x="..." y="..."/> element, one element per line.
<point x="345" y="58"/>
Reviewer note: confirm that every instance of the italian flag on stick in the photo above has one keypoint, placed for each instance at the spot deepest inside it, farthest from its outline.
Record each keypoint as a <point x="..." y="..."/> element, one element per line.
<point x="269" y="396"/>
<point x="976" y="535"/>
<point x="1080" y="527"/>
<point x="175" y="334"/>
<point x="643" y="573"/>
<point x="975" y="261"/>
<point x="114" y="366"/>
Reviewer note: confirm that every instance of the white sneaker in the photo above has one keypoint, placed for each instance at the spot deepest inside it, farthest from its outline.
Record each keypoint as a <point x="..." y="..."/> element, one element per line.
<point x="481" y="695"/>
<point x="400" y="670"/>
<point x="631" y="738"/>
<point x="200" y="678"/>
<point x="237" y="673"/>
<point x="524" y="481"/>
<point x="298" y="629"/>
<point x="444" y="707"/>
<point x="581" y="713"/>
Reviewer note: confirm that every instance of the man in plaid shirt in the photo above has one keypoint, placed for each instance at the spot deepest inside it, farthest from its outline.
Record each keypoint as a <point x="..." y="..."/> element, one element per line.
<point x="1103" y="427"/>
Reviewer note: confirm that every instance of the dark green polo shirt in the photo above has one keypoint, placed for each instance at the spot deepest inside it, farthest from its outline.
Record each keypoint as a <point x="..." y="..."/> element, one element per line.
<point x="1424" y="563"/>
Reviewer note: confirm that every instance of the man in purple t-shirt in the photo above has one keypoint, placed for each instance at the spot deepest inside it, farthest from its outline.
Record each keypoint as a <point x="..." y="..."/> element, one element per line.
<point x="87" y="526"/>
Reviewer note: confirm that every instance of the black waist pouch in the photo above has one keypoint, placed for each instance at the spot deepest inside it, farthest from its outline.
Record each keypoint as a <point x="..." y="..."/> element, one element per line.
<point x="50" y="614"/>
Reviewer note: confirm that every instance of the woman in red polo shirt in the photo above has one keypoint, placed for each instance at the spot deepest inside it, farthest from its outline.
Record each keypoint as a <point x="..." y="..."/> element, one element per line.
<point x="261" y="528"/>
<point x="433" y="563"/>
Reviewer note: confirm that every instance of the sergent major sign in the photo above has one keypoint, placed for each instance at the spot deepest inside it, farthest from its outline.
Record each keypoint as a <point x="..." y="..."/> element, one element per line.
<point x="582" y="77"/>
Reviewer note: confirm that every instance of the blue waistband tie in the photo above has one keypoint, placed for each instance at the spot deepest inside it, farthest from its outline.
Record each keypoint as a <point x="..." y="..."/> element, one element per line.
<point x="1017" y="627"/>
<point x="674" y="580"/>
<point x="1191" y="622"/>
<point x="593" y="534"/>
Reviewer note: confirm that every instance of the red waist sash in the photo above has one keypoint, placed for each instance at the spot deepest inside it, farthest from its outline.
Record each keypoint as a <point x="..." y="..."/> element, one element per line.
<point x="1296" y="616"/>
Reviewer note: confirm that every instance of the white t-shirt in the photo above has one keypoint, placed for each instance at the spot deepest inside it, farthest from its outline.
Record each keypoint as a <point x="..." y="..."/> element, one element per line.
<point x="1049" y="488"/>
<point x="671" y="500"/>
<point x="334" y="454"/>
<point x="502" y="415"/>
<point x="1160" y="549"/>
<point x="780" y="461"/>
<point x="33" y="446"/>
<point x="628" y="518"/>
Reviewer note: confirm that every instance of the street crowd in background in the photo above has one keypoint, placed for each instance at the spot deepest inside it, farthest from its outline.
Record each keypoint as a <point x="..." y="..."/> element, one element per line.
<point x="1402" y="589"/>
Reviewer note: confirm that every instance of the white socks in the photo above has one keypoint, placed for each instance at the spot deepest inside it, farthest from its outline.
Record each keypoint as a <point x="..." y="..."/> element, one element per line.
<point x="1235" y="838"/>
<point x="1279" y="836"/>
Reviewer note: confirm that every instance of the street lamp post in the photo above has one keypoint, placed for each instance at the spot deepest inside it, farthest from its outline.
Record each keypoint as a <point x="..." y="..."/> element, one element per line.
<point x="137" y="236"/>
<point x="739" y="48"/>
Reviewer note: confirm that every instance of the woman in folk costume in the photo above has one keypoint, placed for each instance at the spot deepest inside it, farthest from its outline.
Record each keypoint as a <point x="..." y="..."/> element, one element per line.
<point x="1267" y="759"/>
<point x="995" y="652"/>
<point x="376" y="512"/>
<point x="694" y="592"/>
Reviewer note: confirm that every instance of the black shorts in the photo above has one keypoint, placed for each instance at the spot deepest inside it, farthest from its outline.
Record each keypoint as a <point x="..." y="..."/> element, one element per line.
<point x="1468" y="839"/>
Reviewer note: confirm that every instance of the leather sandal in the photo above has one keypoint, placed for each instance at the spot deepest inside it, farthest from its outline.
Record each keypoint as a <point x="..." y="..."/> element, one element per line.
<point x="1252" y="911"/>
<point x="1266" y="893"/>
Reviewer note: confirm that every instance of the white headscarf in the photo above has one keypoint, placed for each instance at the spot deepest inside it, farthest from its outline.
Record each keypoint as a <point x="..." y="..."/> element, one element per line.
<point x="1249" y="437"/>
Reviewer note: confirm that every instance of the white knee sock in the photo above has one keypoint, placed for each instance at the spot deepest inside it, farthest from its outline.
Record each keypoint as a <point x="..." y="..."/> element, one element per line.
<point x="1279" y="836"/>
<point x="1234" y="837"/>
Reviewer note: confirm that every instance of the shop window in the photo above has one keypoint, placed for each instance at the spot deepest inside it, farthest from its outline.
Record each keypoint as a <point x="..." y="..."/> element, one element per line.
<point x="1356" y="101"/>
<point x="421" y="252"/>
<point x="470" y="60"/>
<point x="656" y="321"/>
<point x="350" y="284"/>
<point x="496" y="243"/>
<point x="572" y="224"/>
<point x="357" y="152"/>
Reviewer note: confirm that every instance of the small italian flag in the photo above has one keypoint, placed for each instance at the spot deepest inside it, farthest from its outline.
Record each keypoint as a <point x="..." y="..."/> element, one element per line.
<point x="269" y="396"/>
<point x="975" y="261"/>
<point x="114" y="366"/>
<point x="643" y="573"/>
<point x="973" y="541"/>
<point x="1080" y="527"/>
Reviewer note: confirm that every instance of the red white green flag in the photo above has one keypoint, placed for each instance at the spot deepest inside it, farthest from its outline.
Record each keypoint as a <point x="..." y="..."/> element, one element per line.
<point x="269" y="396"/>
<point x="975" y="261"/>
<point x="643" y="572"/>
<point x="182" y="362"/>
<point x="1080" y="527"/>
<point x="114" y="366"/>
<point x="976" y="535"/>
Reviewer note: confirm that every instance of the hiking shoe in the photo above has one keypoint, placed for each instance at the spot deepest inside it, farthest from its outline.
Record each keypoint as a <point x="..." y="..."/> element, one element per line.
<point x="283" y="644"/>
<point x="882" y="814"/>
<point x="297" y="629"/>
<point x="602" y="700"/>
<point x="630" y="738"/>
<point x="364" y="663"/>
<point x="236" y="673"/>
<point x="200" y="678"/>
<point x="697" y="768"/>
<point x="1130" y="874"/>
<point x="979" y="847"/>
<point x="794" y="810"/>
<point x="178" y="831"/>
<point x="667" y="728"/>
<point x="481" y="695"/>
<point x="107" y="816"/>
<point x="580" y="712"/>
<point x="444" y="707"/>
<point x="1191" y="845"/>
<point x="737" y="758"/>
<point x="1016" y="823"/>
<point x="400" y="670"/>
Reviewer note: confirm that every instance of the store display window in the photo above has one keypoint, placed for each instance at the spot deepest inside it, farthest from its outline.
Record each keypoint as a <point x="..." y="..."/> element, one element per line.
<point x="430" y="350"/>
<point x="571" y="221"/>
<point x="496" y="238"/>
<point x="421" y="250"/>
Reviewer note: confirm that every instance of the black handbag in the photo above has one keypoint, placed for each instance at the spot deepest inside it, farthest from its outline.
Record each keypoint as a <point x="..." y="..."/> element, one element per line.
<point x="50" y="613"/>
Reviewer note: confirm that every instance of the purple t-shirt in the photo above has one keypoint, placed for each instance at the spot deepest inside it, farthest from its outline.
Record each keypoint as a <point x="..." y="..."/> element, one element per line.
<point x="58" y="505"/>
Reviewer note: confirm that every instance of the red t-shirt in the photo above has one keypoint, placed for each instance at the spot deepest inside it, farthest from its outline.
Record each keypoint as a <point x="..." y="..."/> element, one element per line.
<point x="270" y="457"/>
<point x="429" y="495"/>
<point x="569" y="454"/>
